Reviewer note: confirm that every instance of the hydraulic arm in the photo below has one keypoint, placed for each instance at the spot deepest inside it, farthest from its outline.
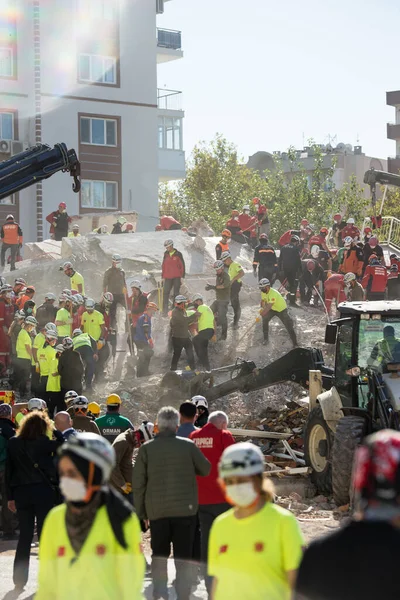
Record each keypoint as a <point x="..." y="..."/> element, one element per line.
<point x="372" y="177"/>
<point x="35" y="164"/>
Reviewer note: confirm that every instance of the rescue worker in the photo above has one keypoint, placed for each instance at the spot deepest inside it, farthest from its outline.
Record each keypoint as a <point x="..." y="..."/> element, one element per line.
<point x="172" y="272"/>
<point x="25" y="296"/>
<point x="290" y="265"/>
<point x="143" y="339"/>
<point x="222" y="289"/>
<point x="235" y="273"/>
<point x="12" y="239"/>
<point x="87" y="348"/>
<point x="94" y="410"/>
<point x="384" y="350"/>
<point x="350" y="230"/>
<point x="287" y="236"/>
<point x="75" y="231"/>
<point x="13" y="332"/>
<point x="322" y="257"/>
<point x="114" y="282"/>
<point x="262" y="216"/>
<point x="138" y="303"/>
<point x="92" y="321"/>
<point x="19" y="285"/>
<point x="241" y="538"/>
<point x="353" y="289"/>
<point x="38" y="342"/>
<point x="265" y="259"/>
<point x="395" y="260"/>
<point x="337" y="228"/>
<point x="372" y="247"/>
<point x="334" y="290"/>
<point x="64" y="318"/>
<point x="104" y="353"/>
<point x="312" y="274"/>
<point x="273" y="304"/>
<point x="112" y="424"/>
<point x="102" y="230"/>
<point x="46" y="312"/>
<point x="223" y="244"/>
<point x="233" y="226"/>
<point x="205" y="329"/>
<point x="45" y="356"/>
<point x="168" y="223"/>
<point x="117" y="227"/>
<point x="55" y="397"/>
<point x="352" y="258"/>
<point x="77" y="282"/>
<point x="201" y="405"/>
<point x="6" y="320"/>
<point x="375" y="280"/>
<point x="320" y="239"/>
<point x="70" y="368"/>
<point x="248" y="225"/>
<point x="59" y="221"/>
<point x="121" y="476"/>
<point x="179" y="324"/>
<point x="393" y="287"/>
<point x="128" y="228"/>
<point x="80" y="421"/>
<point x="367" y="234"/>
<point x="24" y="354"/>
<point x="93" y="526"/>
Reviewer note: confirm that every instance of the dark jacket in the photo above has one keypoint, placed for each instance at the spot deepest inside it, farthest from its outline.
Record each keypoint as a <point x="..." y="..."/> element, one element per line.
<point x="114" y="281"/>
<point x="71" y="369"/>
<point x="22" y="455"/>
<point x="164" y="477"/>
<point x="124" y="445"/>
<point x="264" y="255"/>
<point x="289" y="259"/>
<point x="368" y="252"/>
<point x="180" y="323"/>
<point x="138" y="307"/>
<point x="45" y="313"/>
<point x="7" y="431"/>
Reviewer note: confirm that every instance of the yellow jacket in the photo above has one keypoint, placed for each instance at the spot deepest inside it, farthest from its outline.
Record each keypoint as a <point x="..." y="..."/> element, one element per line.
<point x="103" y="570"/>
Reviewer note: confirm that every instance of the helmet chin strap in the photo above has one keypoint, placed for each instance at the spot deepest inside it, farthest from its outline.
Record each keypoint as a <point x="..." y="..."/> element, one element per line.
<point x="91" y="489"/>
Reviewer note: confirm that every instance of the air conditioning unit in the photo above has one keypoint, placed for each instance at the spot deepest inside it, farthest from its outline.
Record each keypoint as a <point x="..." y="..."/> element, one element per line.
<point x="5" y="146"/>
<point x="16" y="147"/>
<point x="159" y="7"/>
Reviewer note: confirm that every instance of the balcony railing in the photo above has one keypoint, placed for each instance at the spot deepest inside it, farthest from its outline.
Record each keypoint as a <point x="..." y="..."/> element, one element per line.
<point x="169" y="99"/>
<point x="169" y="38"/>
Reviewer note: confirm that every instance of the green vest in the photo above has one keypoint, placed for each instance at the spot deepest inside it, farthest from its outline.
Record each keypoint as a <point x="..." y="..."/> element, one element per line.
<point x="81" y="340"/>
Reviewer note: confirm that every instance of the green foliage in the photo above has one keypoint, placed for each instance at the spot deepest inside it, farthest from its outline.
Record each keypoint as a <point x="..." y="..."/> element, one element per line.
<point x="218" y="181"/>
<point x="391" y="207"/>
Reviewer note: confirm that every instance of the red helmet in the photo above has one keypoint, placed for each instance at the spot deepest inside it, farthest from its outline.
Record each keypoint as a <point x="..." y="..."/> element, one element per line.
<point x="367" y="230"/>
<point x="304" y="222"/>
<point x="129" y="227"/>
<point x="62" y="205"/>
<point x="337" y="217"/>
<point x="158" y="228"/>
<point x="323" y="230"/>
<point x="255" y="201"/>
<point x="310" y="265"/>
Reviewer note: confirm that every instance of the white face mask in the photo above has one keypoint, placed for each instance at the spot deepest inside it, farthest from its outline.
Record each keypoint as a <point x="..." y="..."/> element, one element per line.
<point x="73" y="490"/>
<point x="242" y="494"/>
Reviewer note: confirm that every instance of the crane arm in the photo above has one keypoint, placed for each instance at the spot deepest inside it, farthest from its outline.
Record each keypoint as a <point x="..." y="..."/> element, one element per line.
<point x="35" y="164"/>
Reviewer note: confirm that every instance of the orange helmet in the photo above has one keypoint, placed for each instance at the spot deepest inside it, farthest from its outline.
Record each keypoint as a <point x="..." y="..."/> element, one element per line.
<point x="152" y="305"/>
<point x="226" y="233"/>
<point x="235" y="213"/>
<point x="255" y="201"/>
<point x="323" y="230"/>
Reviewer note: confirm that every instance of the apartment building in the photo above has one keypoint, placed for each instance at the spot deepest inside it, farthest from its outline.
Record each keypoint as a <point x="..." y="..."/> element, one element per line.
<point x="84" y="72"/>
<point x="393" y="131"/>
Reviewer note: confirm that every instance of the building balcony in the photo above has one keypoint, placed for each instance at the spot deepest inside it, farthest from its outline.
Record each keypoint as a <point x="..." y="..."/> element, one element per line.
<point x="393" y="131"/>
<point x="171" y="165"/>
<point x="169" y="100"/>
<point x="394" y="164"/>
<point x="169" y="45"/>
<point x="393" y="98"/>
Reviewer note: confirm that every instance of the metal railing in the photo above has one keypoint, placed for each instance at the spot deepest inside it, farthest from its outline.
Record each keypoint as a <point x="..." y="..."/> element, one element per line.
<point x="169" y="38"/>
<point x="169" y="99"/>
<point x="389" y="233"/>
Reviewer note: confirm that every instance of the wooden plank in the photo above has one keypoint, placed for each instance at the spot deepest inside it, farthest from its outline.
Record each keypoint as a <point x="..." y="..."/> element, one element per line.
<point x="289" y="471"/>
<point x="273" y="435"/>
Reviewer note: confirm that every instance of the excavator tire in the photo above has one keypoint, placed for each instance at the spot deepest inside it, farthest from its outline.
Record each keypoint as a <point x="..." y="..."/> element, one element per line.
<point x="349" y="434"/>
<point x="318" y="441"/>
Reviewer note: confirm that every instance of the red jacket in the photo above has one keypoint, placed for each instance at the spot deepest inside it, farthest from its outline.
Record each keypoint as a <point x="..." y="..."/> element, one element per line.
<point x="166" y="222"/>
<point x="351" y="231"/>
<point x="247" y="223"/>
<point x="375" y="278"/>
<point x="212" y="442"/>
<point x="173" y="266"/>
<point x="334" y="282"/>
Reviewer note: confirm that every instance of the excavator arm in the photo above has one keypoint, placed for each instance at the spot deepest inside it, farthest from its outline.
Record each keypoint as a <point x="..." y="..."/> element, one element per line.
<point x="372" y="177"/>
<point x="35" y="164"/>
<point x="293" y="366"/>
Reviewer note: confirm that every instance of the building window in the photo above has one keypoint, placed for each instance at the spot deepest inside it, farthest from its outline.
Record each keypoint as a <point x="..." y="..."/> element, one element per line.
<point x="101" y="132"/>
<point x="6" y="126"/>
<point x="9" y="200"/>
<point x="6" y="62"/>
<point x="170" y="133"/>
<point x="98" y="69"/>
<point x="99" y="194"/>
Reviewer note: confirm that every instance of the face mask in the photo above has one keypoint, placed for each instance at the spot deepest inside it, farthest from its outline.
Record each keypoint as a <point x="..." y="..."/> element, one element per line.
<point x="73" y="490"/>
<point x="242" y="494"/>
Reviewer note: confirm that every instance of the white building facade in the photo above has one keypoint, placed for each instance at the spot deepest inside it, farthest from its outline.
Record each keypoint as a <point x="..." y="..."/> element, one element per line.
<point x="85" y="73"/>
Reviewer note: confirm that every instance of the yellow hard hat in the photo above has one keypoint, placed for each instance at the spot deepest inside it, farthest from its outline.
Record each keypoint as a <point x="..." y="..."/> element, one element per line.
<point x="94" y="408"/>
<point x="113" y="399"/>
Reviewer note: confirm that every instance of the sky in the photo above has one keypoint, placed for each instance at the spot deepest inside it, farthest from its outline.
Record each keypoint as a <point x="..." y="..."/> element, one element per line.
<point x="268" y="74"/>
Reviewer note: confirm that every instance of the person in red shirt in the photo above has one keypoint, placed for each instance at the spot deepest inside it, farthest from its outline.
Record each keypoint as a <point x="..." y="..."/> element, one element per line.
<point x="6" y="318"/>
<point x="375" y="279"/>
<point x="248" y="225"/>
<point x="262" y="216"/>
<point x="173" y="271"/>
<point x="334" y="290"/>
<point x="350" y="230"/>
<point x="319" y="240"/>
<point x="169" y="223"/>
<point x="212" y="439"/>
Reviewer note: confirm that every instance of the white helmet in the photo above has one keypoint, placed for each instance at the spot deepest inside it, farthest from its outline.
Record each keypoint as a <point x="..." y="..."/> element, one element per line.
<point x="116" y="258"/>
<point x="197" y="297"/>
<point x="67" y="292"/>
<point x="348" y="241"/>
<point x="60" y="348"/>
<point x="77" y="332"/>
<point x="350" y="221"/>
<point x="70" y="395"/>
<point x="35" y="404"/>
<point x="78" y="298"/>
<point x="50" y="327"/>
<point x="218" y="265"/>
<point x="147" y="430"/>
<point x="225" y="255"/>
<point x="349" y="277"/>
<point x="93" y="448"/>
<point x="168" y="242"/>
<point x="242" y="460"/>
<point x="51" y="334"/>
<point x="107" y="297"/>
<point x="67" y="344"/>
<point x="179" y="299"/>
<point x="136" y="284"/>
<point x="315" y="251"/>
<point x="199" y="401"/>
<point x="50" y="296"/>
<point x="264" y="283"/>
<point x="75" y="226"/>
<point x="90" y="303"/>
<point x="246" y="207"/>
<point x="31" y="321"/>
<point x="67" y="265"/>
<point x="80" y="402"/>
